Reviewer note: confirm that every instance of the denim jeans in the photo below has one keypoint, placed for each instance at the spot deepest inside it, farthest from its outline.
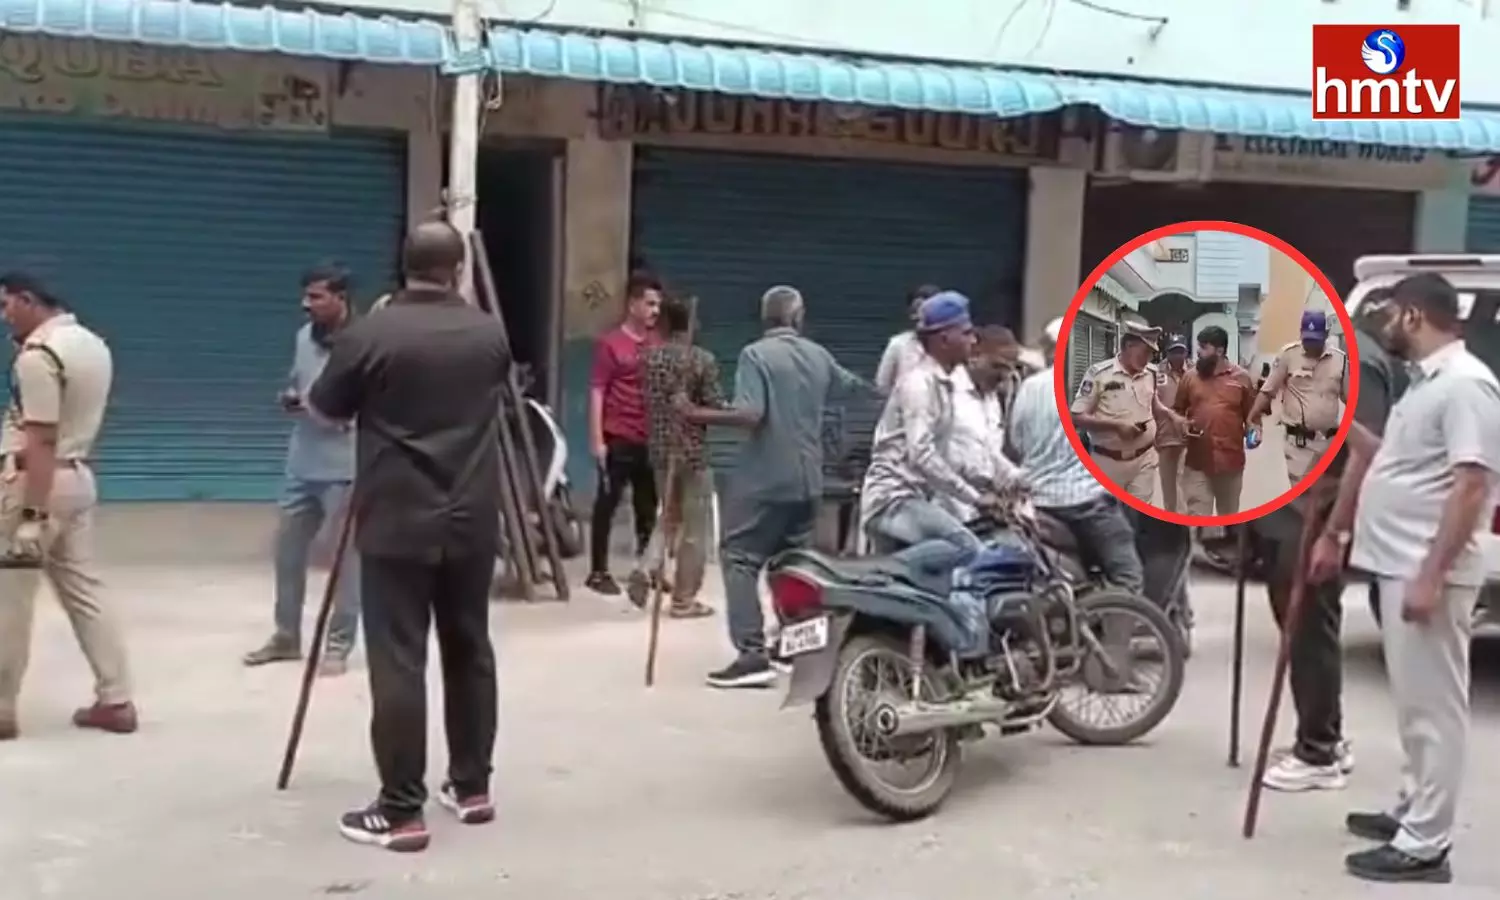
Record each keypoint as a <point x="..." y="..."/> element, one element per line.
<point x="755" y="531"/>
<point x="1106" y="538"/>
<point x="305" y="506"/>
<point x="930" y="538"/>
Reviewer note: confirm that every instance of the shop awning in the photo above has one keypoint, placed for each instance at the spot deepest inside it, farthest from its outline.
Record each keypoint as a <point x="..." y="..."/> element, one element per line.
<point x="216" y="26"/>
<point x="1006" y="93"/>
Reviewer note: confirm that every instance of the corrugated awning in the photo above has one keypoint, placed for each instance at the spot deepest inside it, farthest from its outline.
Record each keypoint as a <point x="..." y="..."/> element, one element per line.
<point x="1006" y="93"/>
<point x="220" y="26"/>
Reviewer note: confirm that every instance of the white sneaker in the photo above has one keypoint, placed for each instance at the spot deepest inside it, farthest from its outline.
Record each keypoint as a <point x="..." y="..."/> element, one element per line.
<point x="1292" y="774"/>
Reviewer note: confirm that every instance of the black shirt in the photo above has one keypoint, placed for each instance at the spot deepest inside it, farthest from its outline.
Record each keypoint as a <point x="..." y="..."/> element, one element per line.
<point x="423" y="379"/>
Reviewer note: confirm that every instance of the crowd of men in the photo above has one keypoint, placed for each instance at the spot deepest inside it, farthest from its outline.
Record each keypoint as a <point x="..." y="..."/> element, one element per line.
<point x="396" y="427"/>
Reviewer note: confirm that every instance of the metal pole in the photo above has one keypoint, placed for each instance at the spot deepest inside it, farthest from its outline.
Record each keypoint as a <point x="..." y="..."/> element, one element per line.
<point x="1237" y="674"/>
<point x="463" y="140"/>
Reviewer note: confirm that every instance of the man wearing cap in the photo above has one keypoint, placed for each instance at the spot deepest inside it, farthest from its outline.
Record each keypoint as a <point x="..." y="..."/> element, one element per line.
<point x="1170" y="440"/>
<point x="916" y="470"/>
<point x="782" y="384"/>
<point x="1117" y="404"/>
<point x="1309" y="378"/>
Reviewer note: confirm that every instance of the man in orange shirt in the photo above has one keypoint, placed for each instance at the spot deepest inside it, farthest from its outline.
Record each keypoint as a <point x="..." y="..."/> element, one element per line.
<point x="1216" y="398"/>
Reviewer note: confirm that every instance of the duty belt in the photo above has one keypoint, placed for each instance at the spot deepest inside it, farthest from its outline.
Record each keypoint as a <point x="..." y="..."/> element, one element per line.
<point x="1301" y="434"/>
<point x="1124" y="455"/>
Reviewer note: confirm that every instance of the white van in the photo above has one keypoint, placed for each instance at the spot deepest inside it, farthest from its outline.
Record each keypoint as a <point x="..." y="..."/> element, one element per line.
<point x="1477" y="278"/>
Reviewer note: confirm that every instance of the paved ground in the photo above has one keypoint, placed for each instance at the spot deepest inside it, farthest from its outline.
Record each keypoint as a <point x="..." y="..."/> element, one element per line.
<point x="679" y="793"/>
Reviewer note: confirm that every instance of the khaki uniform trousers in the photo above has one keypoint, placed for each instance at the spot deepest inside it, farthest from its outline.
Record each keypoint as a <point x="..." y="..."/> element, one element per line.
<point x="69" y="569"/>
<point x="1301" y="460"/>
<point x="1171" y="476"/>
<point x="1137" y="477"/>
<point x="1211" y="495"/>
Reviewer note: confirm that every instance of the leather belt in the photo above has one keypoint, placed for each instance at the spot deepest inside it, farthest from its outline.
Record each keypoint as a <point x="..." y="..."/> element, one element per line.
<point x="1303" y="431"/>
<point x="1124" y="455"/>
<point x="17" y="462"/>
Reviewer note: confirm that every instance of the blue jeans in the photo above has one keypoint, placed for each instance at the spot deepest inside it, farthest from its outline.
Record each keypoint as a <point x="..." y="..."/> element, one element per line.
<point x="931" y="538"/>
<point x="305" y="506"/>
<point x="755" y="531"/>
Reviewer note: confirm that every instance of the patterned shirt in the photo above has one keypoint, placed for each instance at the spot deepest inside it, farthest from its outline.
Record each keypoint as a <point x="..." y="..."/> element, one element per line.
<point x="1049" y="464"/>
<point x="667" y="370"/>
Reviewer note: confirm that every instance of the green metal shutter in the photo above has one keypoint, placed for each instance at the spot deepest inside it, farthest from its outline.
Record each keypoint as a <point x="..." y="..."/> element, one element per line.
<point x="853" y="236"/>
<point x="1484" y="225"/>
<point x="183" y="248"/>
<point x="1093" y="340"/>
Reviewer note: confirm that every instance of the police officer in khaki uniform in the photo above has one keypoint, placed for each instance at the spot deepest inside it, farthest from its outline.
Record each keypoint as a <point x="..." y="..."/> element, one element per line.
<point x="60" y="386"/>
<point x="1310" y="379"/>
<point x="1171" y="444"/>
<point x="1117" y="404"/>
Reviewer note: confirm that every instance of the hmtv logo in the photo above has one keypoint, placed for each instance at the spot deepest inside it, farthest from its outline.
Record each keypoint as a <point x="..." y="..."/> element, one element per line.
<point x="1384" y="72"/>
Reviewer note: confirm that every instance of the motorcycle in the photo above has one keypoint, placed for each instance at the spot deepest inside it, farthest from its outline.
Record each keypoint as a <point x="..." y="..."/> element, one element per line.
<point x="557" y="510"/>
<point x="1041" y="613"/>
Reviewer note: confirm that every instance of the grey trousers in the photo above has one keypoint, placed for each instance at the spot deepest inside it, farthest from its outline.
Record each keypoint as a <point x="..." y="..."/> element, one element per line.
<point x="1429" y="671"/>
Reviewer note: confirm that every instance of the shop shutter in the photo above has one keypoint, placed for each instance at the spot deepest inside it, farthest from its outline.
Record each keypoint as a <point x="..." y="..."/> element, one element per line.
<point x="854" y="237"/>
<point x="1332" y="226"/>
<point x="1484" y="225"/>
<point x="1093" y="340"/>
<point x="183" y="248"/>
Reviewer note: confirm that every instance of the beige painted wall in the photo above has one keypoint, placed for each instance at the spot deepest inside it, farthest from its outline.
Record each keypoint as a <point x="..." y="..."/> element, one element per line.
<point x="1291" y="291"/>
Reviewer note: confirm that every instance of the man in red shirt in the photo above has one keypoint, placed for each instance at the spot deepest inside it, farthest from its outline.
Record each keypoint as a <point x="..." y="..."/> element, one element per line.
<point x="618" y="427"/>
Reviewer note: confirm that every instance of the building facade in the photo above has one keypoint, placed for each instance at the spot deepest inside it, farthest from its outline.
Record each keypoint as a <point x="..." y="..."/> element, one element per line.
<point x="172" y="195"/>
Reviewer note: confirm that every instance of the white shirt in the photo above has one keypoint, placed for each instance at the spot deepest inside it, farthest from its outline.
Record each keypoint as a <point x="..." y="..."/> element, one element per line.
<point x="902" y="354"/>
<point x="1449" y="416"/>
<point x="978" y="442"/>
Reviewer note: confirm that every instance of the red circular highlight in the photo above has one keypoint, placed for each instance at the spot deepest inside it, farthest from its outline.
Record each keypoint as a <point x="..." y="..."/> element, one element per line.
<point x="1064" y="402"/>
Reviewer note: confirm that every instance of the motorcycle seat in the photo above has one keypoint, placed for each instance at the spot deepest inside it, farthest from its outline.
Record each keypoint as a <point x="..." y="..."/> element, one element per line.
<point x="870" y="571"/>
<point x="1055" y="533"/>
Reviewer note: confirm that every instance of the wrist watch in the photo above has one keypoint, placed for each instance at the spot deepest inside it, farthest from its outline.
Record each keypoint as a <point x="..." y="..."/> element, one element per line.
<point x="32" y="514"/>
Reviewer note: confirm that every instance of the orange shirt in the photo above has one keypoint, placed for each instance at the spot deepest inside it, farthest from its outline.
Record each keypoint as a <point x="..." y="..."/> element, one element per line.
<point x="1220" y="406"/>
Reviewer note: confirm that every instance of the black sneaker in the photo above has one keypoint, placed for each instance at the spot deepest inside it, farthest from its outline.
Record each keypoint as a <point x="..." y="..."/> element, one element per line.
<point x="1372" y="826"/>
<point x="375" y="827"/>
<point x="475" y="810"/>
<point x="744" y="672"/>
<point x="602" y="583"/>
<point x="782" y="664"/>
<point x="1386" y="863"/>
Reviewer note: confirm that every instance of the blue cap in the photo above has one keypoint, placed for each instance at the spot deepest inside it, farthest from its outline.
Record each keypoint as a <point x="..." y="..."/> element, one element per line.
<point x="1314" y="325"/>
<point x="1177" y="342"/>
<point x="943" y="310"/>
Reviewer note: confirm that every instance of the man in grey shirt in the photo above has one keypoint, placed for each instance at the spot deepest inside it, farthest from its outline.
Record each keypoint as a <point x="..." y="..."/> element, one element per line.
<point x="783" y="383"/>
<point x="315" y="492"/>
<point x="1429" y="489"/>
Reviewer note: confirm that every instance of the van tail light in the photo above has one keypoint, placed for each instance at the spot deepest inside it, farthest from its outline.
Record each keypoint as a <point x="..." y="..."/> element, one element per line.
<point x="1495" y="521"/>
<point x="794" y="596"/>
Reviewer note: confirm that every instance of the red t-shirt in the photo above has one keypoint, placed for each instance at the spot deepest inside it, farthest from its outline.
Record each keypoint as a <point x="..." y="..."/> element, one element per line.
<point x="617" y="372"/>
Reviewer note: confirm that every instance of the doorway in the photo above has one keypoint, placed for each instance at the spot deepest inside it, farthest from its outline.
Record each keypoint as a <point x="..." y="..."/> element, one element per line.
<point x="519" y="213"/>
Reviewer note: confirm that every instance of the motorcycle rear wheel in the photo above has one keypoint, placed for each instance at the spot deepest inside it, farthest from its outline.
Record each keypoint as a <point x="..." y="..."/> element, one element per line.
<point x="841" y="743"/>
<point x="1174" y="664"/>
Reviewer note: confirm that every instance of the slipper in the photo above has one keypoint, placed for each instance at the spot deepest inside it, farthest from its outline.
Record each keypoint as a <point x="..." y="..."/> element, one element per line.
<point x="690" y="610"/>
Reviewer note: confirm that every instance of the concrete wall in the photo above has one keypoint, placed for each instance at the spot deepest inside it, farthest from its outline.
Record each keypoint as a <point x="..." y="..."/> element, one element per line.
<point x="1267" y="43"/>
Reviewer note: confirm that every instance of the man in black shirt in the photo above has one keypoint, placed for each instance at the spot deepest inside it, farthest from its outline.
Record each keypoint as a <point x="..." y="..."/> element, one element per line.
<point x="422" y="379"/>
<point x="1321" y="759"/>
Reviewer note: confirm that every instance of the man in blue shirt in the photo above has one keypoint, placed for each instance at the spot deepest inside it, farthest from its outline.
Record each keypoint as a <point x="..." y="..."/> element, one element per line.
<point x="319" y="472"/>
<point x="783" y="383"/>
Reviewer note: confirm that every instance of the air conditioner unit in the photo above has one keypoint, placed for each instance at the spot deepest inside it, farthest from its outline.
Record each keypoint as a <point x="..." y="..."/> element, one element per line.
<point x="1147" y="154"/>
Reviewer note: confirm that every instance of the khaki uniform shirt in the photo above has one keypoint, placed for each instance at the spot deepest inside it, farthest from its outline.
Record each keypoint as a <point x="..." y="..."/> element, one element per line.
<point x="1167" y="432"/>
<point x="1310" y="390"/>
<point x="61" y="376"/>
<point x="1110" y="392"/>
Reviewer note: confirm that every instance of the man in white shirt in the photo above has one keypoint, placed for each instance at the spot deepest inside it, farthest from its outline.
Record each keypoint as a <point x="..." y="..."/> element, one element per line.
<point x="1428" y="493"/>
<point x="904" y="351"/>
<point x="915" y="471"/>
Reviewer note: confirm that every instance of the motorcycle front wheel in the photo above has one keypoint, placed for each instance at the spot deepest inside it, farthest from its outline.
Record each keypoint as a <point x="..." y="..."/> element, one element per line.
<point x="1141" y="620"/>
<point x="873" y="671"/>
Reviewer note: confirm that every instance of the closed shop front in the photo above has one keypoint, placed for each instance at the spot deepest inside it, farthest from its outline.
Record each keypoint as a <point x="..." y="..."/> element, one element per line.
<point x="1483" y="235"/>
<point x="1332" y="226"/>
<point x="183" y="246"/>
<point x="1092" y="340"/>
<point x="853" y="236"/>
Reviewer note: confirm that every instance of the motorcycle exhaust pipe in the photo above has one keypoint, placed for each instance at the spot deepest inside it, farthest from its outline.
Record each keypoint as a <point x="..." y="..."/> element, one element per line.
<point x="910" y="718"/>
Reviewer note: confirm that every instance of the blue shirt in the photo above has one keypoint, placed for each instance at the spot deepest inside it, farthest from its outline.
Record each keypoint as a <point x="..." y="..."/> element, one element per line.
<point x="319" y="450"/>
<point x="787" y="380"/>
<point x="1049" y="464"/>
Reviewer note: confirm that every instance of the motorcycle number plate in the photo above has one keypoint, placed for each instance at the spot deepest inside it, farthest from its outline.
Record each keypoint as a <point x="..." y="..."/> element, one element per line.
<point x="804" y="637"/>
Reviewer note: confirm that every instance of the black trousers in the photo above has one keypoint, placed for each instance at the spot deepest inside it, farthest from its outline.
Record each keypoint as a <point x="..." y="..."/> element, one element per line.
<point x="626" y="465"/>
<point x="1316" y="659"/>
<point x="403" y="600"/>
